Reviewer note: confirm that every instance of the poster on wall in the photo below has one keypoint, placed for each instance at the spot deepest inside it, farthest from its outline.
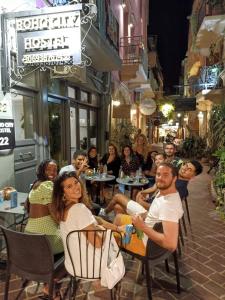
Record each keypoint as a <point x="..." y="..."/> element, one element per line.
<point x="7" y="134"/>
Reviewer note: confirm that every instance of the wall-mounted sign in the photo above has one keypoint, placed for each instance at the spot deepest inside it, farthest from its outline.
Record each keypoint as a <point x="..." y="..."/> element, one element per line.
<point x="7" y="134"/>
<point x="5" y="106"/>
<point x="53" y="38"/>
<point x="122" y="111"/>
<point x="185" y="104"/>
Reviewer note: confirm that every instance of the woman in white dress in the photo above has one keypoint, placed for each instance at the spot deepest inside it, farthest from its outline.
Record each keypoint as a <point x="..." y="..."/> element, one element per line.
<point x="72" y="211"/>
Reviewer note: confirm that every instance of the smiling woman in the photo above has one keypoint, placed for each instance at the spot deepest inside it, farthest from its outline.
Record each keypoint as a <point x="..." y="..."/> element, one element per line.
<point x="71" y="208"/>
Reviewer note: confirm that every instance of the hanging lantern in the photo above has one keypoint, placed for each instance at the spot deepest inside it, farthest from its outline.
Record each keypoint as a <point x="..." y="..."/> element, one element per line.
<point x="147" y="106"/>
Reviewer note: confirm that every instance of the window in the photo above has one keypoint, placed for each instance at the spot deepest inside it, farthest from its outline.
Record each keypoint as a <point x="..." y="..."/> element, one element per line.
<point x="23" y="116"/>
<point x="83" y="96"/>
<point x="71" y="92"/>
<point x="83" y="128"/>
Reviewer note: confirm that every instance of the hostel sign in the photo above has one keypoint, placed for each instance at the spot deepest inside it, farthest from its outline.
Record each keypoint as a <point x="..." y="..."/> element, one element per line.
<point x="7" y="134"/>
<point x="49" y="38"/>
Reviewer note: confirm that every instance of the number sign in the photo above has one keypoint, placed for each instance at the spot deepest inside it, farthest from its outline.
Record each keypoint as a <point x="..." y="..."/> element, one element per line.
<point x="7" y="134"/>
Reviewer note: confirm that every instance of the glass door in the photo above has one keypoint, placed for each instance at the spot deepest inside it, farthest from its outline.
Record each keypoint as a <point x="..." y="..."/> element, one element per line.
<point x="55" y="114"/>
<point x="83" y="129"/>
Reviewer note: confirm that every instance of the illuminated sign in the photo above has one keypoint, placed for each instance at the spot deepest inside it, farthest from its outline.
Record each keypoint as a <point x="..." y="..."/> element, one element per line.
<point x="49" y="39"/>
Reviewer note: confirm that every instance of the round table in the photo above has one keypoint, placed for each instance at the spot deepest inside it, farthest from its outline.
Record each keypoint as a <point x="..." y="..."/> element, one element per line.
<point x="132" y="183"/>
<point x="129" y="182"/>
<point x="100" y="179"/>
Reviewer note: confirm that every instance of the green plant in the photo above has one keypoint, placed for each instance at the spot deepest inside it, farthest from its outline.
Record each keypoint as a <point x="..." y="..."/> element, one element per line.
<point x="193" y="147"/>
<point x="216" y="132"/>
<point x="123" y="134"/>
<point x="219" y="182"/>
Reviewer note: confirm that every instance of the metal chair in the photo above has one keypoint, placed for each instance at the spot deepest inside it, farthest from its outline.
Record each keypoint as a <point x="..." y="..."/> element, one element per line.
<point x="154" y="256"/>
<point x="84" y="259"/>
<point x="187" y="210"/>
<point x="30" y="257"/>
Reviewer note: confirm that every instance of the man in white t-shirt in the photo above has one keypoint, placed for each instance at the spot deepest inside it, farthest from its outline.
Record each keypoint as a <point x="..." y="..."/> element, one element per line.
<point x="79" y="164"/>
<point x="165" y="208"/>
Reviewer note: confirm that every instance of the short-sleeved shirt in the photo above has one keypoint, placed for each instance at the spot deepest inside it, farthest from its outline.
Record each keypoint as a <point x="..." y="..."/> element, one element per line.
<point x="78" y="218"/>
<point x="181" y="186"/>
<point x="69" y="168"/>
<point x="164" y="208"/>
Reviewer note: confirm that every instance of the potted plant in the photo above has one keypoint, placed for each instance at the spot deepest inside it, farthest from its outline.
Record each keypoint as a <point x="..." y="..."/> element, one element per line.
<point x="193" y="147"/>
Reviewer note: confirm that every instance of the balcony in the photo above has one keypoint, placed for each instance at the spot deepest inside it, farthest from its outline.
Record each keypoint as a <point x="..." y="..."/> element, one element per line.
<point x="134" y="59"/>
<point x="209" y="79"/>
<point x="210" y="24"/>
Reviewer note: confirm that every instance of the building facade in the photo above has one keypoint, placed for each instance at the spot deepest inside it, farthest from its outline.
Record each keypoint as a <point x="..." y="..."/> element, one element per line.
<point x="56" y="108"/>
<point x="204" y="64"/>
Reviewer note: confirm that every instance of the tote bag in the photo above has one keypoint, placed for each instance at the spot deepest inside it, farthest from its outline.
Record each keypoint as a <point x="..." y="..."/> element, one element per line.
<point x="113" y="269"/>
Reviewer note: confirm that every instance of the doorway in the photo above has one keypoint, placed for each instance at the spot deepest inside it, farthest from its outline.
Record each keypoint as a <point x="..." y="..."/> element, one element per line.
<point x="56" y="129"/>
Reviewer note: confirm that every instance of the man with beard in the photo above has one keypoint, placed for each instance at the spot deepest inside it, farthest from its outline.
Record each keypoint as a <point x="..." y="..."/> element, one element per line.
<point x="165" y="208"/>
<point x="170" y="150"/>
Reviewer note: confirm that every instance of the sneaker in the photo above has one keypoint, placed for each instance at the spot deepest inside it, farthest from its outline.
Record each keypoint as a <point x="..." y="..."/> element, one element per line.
<point x="102" y="213"/>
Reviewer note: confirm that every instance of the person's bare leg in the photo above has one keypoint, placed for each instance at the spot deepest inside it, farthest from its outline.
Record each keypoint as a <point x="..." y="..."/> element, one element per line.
<point x="118" y="209"/>
<point x="120" y="199"/>
<point x="117" y="221"/>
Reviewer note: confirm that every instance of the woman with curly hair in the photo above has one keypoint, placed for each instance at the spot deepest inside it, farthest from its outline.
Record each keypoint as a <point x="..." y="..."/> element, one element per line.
<point x="40" y="197"/>
<point x="72" y="211"/>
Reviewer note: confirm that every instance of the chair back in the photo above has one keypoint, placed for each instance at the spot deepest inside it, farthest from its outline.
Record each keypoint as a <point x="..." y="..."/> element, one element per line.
<point x="82" y="258"/>
<point x="29" y="255"/>
<point x="153" y="250"/>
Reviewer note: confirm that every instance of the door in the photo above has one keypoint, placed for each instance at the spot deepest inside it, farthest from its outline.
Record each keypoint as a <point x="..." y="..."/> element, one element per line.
<point x="26" y="151"/>
<point x="56" y="129"/>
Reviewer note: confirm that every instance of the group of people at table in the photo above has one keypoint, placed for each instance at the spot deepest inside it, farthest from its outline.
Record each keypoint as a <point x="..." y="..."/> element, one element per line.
<point x="59" y="202"/>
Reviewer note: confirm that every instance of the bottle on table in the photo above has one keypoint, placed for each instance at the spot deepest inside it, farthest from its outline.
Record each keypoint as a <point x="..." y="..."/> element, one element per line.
<point x="121" y="173"/>
<point x="104" y="173"/>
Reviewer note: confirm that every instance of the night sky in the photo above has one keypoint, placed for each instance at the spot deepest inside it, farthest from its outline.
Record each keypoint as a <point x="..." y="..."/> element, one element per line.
<point x="168" y="20"/>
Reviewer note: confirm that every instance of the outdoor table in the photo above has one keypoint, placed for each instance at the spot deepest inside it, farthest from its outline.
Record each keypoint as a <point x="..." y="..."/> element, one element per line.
<point x="11" y="217"/>
<point x="132" y="183"/>
<point x="100" y="178"/>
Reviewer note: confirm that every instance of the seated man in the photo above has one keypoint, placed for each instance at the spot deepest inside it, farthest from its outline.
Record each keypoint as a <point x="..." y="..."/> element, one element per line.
<point x="79" y="164"/>
<point x="188" y="170"/>
<point x="165" y="208"/>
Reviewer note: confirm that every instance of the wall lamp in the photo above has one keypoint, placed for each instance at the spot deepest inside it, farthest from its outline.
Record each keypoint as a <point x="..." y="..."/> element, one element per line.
<point x="116" y="102"/>
<point x="123" y="4"/>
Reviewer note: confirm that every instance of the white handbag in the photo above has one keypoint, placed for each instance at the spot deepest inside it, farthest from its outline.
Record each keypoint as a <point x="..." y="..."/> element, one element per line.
<point x="112" y="268"/>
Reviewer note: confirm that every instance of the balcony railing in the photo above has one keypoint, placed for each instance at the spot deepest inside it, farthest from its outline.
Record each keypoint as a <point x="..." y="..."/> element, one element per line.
<point x="209" y="10"/>
<point x="209" y="78"/>
<point x="131" y="49"/>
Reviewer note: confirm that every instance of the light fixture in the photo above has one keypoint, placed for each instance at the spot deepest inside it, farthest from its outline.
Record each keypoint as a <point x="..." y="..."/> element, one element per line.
<point x="186" y="118"/>
<point x="131" y="24"/>
<point x="179" y="115"/>
<point x="200" y="115"/>
<point x="123" y="4"/>
<point x="166" y="109"/>
<point x="116" y="102"/>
